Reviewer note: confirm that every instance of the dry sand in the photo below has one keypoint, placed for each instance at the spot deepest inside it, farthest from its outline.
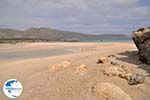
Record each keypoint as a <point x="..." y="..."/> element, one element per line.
<point x="40" y="82"/>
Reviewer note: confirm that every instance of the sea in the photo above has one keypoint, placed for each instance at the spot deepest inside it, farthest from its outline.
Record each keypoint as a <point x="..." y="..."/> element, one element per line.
<point x="108" y="40"/>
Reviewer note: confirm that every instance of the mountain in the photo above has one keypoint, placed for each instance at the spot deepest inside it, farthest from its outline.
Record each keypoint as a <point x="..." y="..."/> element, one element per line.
<point x="53" y="35"/>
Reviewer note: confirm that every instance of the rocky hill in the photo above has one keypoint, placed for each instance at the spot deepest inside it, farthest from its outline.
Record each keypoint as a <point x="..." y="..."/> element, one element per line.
<point x="53" y="35"/>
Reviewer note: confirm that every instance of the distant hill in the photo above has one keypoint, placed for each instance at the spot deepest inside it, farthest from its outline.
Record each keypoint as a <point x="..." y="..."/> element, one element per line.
<point x="53" y="35"/>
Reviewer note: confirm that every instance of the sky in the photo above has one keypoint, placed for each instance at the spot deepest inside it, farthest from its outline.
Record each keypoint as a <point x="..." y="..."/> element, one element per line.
<point x="86" y="16"/>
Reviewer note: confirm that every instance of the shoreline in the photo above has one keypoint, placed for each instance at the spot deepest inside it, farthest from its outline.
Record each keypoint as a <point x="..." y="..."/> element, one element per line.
<point x="33" y="50"/>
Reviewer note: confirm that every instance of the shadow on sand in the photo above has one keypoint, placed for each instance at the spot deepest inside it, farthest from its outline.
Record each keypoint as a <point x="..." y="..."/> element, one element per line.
<point x="133" y="58"/>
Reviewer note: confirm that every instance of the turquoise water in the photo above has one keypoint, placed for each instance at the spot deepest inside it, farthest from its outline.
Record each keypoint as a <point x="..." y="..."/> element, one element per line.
<point x="109" y="40"/>
<point x="13" y="55"/>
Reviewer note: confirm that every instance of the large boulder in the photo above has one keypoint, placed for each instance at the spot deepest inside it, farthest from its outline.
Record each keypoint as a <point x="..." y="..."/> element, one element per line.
<point x="108" y="91"/>
<point x="141" y="38"/>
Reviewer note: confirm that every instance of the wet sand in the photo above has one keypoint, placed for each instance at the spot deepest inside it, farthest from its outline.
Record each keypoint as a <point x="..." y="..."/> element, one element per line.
<point x="31" y="63"/>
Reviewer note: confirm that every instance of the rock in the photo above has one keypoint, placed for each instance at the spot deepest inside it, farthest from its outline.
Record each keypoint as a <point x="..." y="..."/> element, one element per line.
<point x="121" y="72"/>
<point x="115" y="71"/>
<point x="139" y="62"/>
<point x="82" y="69"/>
<point x="141" y="38"/>
<point x="108" y="91"/>
<point x="114" y="63"/>
<point x="111" y="71"/>
<point x="102" y="60"/>
<point x="111" y="56"/>
<point x="135" y="79"/>
<point x="63" y="64"/>
<point x="124" y="76"/>
<point x="125" y="69"/>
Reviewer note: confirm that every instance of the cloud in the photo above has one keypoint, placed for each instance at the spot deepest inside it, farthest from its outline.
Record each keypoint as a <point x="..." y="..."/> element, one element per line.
<point x="88" y="16"/>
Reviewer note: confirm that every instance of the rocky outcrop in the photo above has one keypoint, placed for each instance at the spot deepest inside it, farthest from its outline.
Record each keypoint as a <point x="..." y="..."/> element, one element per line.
<point x="141" y="38"/>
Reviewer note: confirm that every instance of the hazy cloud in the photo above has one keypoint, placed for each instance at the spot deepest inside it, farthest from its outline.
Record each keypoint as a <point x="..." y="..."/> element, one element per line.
<point x="88" y="16"/>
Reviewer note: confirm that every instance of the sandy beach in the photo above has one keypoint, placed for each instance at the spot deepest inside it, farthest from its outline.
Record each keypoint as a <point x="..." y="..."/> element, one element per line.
<point x="32" y="64"/>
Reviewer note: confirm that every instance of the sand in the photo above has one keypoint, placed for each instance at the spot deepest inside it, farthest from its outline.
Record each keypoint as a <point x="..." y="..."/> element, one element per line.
<point x="32" y="67"/>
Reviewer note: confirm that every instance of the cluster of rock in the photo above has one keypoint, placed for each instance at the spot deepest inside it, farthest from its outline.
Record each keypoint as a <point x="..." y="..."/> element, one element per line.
<point x="141" y="38"/>
<point x="104" y="90"/>
<point x="121" y="71"/>
<point x="80" y="70"/>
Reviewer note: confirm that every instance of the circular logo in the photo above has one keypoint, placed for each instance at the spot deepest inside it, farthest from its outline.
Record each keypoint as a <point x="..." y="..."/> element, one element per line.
<point x="12" y="88"/>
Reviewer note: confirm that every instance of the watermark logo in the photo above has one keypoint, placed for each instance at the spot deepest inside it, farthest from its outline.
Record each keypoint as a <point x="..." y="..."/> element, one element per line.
<point x="12" y="88"/>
